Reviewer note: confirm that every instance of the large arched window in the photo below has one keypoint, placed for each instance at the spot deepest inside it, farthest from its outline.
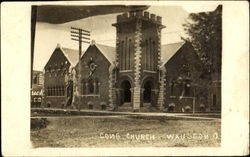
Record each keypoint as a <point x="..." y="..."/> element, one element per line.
<point x="126" y="54"/>
<point x="129" y="54"/>
<point x="122" y="56"/>
<point x="149" y="54"/>
<point x="146" y="55"/>
<point x="152" y="57"/>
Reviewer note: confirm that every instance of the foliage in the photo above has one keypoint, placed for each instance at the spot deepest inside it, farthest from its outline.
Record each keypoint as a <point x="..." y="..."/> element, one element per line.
<point x="204" y="31"/>
<point x="38" y="123"/>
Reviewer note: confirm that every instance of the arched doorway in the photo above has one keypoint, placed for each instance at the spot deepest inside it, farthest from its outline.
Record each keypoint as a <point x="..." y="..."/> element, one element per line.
<point x="147" y="97"/>
<point x="126" y="94"/>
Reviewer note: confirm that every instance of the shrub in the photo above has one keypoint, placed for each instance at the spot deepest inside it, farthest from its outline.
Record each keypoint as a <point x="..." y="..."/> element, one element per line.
<point x="187" y="108"/>
<point x="171" y="107"/>
<point x="38" y="123"/>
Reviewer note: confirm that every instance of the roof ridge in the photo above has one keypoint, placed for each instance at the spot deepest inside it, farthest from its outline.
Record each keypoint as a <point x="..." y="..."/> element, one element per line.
<point x="104" y="45"/>
<point x="174" y="43"/>
<point x="69" y="48"/>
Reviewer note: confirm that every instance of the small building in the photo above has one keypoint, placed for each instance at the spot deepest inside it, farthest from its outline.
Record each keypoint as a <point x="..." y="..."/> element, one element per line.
<point x="96" y="63"/>
<point x="56" y="75"/>
<point x="37" y="88"/>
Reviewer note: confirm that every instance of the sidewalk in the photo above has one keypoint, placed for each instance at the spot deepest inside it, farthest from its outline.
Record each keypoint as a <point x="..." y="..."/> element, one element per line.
<point x="74" y="112"/>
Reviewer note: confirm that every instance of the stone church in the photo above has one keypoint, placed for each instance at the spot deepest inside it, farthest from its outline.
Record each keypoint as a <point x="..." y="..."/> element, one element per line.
<point x="132" y="76"/>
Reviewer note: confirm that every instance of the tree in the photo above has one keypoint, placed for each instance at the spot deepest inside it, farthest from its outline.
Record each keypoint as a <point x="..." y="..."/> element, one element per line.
<point x="204" y="32"/>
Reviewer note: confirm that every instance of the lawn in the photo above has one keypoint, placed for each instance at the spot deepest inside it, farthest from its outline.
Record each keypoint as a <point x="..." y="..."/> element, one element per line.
<point x="124" y="131"/>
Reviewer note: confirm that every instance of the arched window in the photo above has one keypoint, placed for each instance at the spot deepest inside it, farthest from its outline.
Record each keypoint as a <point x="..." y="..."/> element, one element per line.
<point x="58" y="91"/>
<point x="53" y="91"/>
<point x="49" y="91"/>
<point x="63" y="91"/>
<point x="91" y="86"/>
<point x="129" y="54"/>
<point x="172" y="88"/>
<point x="83" y="86"/>
<point x="149" y="54"/>
<point x="122" y="55"/>
<point x="35" y="79"/>
<point x="126" y="54"/>
<point x="146" y="55"/>
<point x="187" y="89"/>
<point x="97" y="87"/>
<point x="152" y="57"/>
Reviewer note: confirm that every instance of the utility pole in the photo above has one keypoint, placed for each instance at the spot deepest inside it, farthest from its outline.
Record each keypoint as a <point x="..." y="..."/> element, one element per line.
<point x="82" y="36"/>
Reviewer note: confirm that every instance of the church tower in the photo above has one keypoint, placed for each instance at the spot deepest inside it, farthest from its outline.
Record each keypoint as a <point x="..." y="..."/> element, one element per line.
<point x="138" y="59"/>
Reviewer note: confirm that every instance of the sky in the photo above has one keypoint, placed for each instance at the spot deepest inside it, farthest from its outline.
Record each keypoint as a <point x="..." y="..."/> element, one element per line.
<point x="49" y="35"/>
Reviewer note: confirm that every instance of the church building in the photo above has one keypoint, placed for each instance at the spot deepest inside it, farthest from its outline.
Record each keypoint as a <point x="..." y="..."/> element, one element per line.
<point x="139" y="74"/>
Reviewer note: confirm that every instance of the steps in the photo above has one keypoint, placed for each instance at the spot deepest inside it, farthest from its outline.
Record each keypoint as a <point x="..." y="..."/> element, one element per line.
<point x="127" y="107"/>
<point x="147" y="107"/>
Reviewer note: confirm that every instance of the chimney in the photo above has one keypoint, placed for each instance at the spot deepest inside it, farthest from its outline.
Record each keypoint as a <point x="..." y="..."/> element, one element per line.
<point x="92" y="42"/>
<point x="58" y="45"/>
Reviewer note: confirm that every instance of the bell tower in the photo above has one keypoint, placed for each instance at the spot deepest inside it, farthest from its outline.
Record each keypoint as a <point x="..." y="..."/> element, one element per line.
<point x="138" y="56"/>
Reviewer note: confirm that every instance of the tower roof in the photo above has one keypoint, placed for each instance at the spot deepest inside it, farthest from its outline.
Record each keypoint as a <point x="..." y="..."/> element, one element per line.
<point x="144" y="15"/>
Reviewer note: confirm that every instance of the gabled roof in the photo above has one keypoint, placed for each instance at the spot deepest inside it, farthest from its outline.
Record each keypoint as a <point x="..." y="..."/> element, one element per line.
<point x="108" y="51"/>
<point x="168" y="51"/>
<point x="71" y="55"/>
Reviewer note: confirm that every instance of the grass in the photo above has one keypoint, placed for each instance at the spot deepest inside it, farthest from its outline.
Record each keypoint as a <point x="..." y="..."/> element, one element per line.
<point x="84" y="131"/>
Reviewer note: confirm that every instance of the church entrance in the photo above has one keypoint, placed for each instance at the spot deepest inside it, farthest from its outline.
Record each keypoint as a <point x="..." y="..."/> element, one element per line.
<point x="126" y="95"/>
<point x="147" y="92"/>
